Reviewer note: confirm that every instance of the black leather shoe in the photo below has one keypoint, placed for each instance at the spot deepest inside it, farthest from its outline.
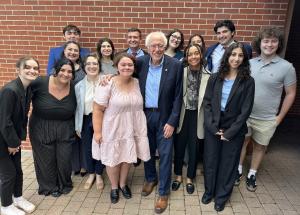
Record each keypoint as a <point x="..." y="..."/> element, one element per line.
<point x="138" y="162"/>
<point x="83" y="174"/>
<point x="76" y="172"/>
<point x="175" y="185"/>
<point x="114" y="196"/>
<point x="126" y="192"/>
<point x="56" y="194"/>
<point x="206" y="199"/>
<point x="190" y="188"/>
<point x="219" y="207"/>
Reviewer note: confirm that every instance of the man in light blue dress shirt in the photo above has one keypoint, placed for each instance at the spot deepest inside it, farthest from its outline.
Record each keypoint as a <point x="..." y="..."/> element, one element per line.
<point x="160" y="79"/>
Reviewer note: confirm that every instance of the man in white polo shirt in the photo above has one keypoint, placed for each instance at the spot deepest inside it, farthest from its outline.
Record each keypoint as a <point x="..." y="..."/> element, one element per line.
<point x="271" y="74"/>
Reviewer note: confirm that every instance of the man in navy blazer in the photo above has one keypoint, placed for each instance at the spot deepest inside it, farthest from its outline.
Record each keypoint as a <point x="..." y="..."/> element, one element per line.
<point x="71" y="33"/>
<point x="160" y="79"/>
<point x="225" y="31"/>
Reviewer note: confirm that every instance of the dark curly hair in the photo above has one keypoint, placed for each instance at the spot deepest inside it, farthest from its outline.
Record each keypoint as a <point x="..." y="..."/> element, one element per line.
<point x="225" y="23"/>
<point x="181" y="44"/>
<point x="60" y="63"/>
<point x="102" y="40"/>
<point x="200" y="49"/>
<point x="243" y="69"/>
<point x="71" y="27"/>
<point x="268" y="32"/>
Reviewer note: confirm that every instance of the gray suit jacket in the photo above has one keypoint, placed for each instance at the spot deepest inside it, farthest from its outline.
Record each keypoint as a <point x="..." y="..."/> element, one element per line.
<point x="80" y="94"/>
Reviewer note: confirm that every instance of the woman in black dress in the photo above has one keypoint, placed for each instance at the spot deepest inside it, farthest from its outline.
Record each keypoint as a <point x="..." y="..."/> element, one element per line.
<point x="52" y="129"/>
<point x="14" y="106"/>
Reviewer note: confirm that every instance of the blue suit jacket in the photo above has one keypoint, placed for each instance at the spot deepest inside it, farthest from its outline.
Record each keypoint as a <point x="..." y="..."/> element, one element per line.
<point x="170" y="87"/>
<point x="211" y="49"/>
<point x="55" y="54"/>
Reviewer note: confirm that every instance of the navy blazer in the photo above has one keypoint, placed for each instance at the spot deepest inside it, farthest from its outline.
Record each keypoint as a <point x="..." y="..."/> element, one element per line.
<point x="55" y="54"/>
<point x="211" y="49"/>
<point x="170" y="87"/>
<point x="14" y="107"/>
<point x="237" y="110"/>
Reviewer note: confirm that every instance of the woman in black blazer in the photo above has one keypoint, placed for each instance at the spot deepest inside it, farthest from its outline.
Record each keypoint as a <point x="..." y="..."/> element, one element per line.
<point x="14" y="106"/>
<point x="228" y="103"/>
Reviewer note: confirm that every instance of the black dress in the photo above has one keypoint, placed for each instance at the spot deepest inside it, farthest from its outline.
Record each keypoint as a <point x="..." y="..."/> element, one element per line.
<point x="52" y="131"/>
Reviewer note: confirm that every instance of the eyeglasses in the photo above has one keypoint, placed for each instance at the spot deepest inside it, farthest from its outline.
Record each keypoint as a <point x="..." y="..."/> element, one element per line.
<point x="176" y="37"/>
<point x="159" y="46"/>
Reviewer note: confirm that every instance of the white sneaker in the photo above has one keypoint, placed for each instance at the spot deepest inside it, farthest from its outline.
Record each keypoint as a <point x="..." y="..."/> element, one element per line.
<point x="11" y="210"/>
<point x="23" y="204"/>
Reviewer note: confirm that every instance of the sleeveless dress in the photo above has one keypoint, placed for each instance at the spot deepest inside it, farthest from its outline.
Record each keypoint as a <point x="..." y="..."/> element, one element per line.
<point x="124" y="127"/>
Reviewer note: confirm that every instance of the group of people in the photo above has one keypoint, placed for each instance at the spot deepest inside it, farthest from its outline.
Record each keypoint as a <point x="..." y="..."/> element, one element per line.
<point x="96" y="111"/>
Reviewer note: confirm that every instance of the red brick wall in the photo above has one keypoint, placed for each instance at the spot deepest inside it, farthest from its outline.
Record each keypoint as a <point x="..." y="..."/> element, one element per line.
<point x="33" y="26"/>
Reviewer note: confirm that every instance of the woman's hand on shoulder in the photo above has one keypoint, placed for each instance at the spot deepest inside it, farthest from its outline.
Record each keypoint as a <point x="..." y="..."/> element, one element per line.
<point x="104" y="79"/>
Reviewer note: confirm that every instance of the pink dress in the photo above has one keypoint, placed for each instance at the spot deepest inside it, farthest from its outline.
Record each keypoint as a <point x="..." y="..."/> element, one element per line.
<point x="124" y="128"/>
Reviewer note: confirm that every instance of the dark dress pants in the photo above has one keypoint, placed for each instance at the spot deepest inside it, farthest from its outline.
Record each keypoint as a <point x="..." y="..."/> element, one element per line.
<point x="93" y="166"/>
<point x="221" y="159"/>
<point x="164" y="147"/>
<point x="11" y="178"/>
<point x="78" y="155"/>
<point x="187" y="137"/>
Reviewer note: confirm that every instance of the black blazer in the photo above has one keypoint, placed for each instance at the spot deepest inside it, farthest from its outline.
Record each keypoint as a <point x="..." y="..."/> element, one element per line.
<point x="14" y="107"/>
<point x="170" y="87"/>
<point x="237" y="109"/>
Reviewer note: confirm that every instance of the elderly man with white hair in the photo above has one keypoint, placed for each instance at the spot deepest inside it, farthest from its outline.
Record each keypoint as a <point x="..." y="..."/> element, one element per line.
<point x="160" y="79"/>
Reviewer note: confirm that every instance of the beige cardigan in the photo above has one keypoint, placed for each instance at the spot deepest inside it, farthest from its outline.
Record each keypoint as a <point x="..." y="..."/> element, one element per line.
<point x="200" y="121"/>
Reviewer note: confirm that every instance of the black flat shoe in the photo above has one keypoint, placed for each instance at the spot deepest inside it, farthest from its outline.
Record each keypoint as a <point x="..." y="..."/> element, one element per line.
<point x="190" y="188"/>
<point x="175" y="185"/>
<point x="138" y="162"/>
<point x="56" y="194"/>
<point x="206" y="199"/>
<point x="126" y="192"/>
<point x="114" y="196"/>
<point x="219" y="207"/>
<point x="83" y="174"/>
<point x="76" y="172"/>
<point x="67" y="190"/>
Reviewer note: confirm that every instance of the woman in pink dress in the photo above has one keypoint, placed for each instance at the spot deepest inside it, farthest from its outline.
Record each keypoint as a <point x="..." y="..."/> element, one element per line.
<point x="120" y="128"/>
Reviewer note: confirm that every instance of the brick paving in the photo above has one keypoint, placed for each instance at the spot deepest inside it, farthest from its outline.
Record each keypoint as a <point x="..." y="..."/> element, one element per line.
<point x="278" y="189"/>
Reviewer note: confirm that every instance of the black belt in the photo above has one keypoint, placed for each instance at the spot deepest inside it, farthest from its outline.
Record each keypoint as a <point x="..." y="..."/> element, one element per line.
<point x="152" y="109"/>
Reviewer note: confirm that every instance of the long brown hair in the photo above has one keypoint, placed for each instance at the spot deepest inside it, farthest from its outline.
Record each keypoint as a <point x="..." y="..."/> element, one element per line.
<point x="243" y="69"/>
